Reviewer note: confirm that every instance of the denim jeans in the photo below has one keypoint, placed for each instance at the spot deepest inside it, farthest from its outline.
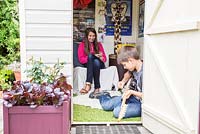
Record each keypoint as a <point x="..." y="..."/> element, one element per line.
<point x="93" y="66"/>
<point x="109" y="103"/>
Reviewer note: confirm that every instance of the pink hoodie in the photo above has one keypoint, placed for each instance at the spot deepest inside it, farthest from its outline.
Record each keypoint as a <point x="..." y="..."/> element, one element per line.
<point x="82" y="56"/>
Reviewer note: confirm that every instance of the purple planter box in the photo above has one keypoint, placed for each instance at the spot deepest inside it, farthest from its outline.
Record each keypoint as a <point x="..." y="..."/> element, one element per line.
<point x="41" y="120"/>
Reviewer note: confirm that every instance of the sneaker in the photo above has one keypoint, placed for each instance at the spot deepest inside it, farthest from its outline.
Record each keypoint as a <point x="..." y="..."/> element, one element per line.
<point x="97" y="95"/>
<point x="91" y="95"/>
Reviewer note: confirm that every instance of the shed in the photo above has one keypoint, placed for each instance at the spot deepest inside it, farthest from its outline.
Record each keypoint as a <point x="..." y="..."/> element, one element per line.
<point x="171" y="55"/>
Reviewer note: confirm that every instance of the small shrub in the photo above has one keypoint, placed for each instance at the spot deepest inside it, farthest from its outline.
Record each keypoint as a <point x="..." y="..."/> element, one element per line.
<point x="9" y="32"/>
<point x="39" y="72"/>
<point x="6" y="79"/>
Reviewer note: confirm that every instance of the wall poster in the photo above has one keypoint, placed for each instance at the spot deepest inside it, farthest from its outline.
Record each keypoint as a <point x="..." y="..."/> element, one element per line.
<point x="127" y="14"/>
<point x="82" y="19"/>
<point x="141" y="19"/>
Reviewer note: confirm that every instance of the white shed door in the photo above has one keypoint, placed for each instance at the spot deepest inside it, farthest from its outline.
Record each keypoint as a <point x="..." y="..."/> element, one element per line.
<point x="171" y="66"/>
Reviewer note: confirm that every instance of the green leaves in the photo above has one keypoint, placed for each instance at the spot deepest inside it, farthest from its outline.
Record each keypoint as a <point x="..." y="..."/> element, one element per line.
<point x="9" y="32"/>
<point x="32" y="94"/>
<point x="39" y="72"/>
<point x="6" y="79"/>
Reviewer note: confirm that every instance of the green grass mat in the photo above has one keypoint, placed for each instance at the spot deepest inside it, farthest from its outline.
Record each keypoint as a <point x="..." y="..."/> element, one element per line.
<point x="88" y="114"/>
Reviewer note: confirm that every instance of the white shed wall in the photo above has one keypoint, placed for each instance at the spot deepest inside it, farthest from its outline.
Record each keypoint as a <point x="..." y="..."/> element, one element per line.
<point x="47" y="32"/>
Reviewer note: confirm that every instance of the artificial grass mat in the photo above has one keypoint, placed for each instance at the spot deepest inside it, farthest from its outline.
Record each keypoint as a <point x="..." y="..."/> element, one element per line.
<point x="88" y="114"/>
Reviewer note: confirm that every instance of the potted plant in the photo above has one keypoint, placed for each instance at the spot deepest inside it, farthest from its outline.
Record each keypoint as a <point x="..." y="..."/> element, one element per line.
<point x="39" y="72"/>
<point x="41" y="105"/>
<point x="17" y="71"/>
<point x="16" y="68"/>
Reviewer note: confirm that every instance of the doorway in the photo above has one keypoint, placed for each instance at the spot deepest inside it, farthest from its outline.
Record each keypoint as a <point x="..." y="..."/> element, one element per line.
<point x="89" y="110"/>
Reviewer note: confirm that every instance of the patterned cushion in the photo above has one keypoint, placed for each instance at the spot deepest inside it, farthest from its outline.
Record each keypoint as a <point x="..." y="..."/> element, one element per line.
<point x="76" y="62"/>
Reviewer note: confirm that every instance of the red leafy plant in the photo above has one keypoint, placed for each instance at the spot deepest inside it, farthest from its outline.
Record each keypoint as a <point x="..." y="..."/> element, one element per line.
<point x="34" y="94"/>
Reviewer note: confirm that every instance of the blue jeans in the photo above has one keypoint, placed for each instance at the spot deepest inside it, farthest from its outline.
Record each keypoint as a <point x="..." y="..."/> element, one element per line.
<point x="93" y="66"/>
<point x="109" y="103"/>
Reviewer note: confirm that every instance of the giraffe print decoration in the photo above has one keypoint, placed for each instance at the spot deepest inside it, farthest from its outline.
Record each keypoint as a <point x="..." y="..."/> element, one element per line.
<point x="118" y="10"/>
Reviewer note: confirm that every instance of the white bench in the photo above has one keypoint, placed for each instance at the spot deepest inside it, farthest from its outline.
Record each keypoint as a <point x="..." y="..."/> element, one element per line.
<point x="108" y="78"/>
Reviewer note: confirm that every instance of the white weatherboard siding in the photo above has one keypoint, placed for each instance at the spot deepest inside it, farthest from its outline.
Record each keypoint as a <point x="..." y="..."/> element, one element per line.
<point x="171" y="66"/>
<point x="47" y="32"/>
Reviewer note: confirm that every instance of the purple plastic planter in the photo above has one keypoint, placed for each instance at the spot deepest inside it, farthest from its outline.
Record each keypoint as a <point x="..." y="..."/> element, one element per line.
<point x="41" y="120"/>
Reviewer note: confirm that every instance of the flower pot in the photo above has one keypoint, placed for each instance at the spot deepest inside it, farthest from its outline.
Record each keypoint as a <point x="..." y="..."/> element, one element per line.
<point x="17" y="75"/>
<point x="41" y="120"/>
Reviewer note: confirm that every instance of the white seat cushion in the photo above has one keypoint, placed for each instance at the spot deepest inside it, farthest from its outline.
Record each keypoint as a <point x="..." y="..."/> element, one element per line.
<point x="108" y="78"/>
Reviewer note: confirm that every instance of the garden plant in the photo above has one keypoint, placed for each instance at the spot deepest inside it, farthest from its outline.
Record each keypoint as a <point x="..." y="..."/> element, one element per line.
<point x="9" y="32"/>
<point x="46" y="87"/>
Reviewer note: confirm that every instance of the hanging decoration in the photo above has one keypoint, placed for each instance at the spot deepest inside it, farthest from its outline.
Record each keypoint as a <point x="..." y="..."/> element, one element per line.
<point x="101" y="19"/>
<point x="118" y="10"/>
<point x="81" y="4"/>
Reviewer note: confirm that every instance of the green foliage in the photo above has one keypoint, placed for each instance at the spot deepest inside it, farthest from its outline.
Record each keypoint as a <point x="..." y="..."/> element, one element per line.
<point x="39" y="72"/>
<point x="6" y="79"/>
<point x="9" y="32"/>
<point x="25" y="93"/>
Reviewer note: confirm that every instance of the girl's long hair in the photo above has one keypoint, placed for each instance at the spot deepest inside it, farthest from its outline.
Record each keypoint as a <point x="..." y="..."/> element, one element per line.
<point x="87" y="43"/>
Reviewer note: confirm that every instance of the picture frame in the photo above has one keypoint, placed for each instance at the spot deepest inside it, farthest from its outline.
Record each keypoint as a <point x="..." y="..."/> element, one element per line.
<point x="126" y="26"/>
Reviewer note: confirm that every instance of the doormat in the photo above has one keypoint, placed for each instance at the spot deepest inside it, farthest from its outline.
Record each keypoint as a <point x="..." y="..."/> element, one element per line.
<point x="113" y="129"/>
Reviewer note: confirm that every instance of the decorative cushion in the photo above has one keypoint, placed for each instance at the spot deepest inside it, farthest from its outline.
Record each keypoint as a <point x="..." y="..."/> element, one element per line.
<point x="76" y="62"/>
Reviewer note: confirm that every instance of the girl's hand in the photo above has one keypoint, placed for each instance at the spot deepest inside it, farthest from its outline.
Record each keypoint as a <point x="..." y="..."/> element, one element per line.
<point x="99" y="56"/>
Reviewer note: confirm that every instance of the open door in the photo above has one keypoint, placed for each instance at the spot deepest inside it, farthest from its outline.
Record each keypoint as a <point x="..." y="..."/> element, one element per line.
<point x="98" y="14"/>
<point x="171" y="66"/>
